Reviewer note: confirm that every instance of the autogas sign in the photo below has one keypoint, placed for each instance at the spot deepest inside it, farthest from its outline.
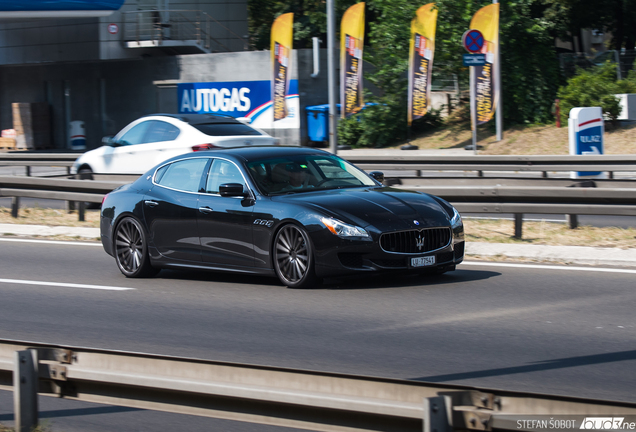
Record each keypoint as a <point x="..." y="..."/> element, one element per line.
<point x="586" y="130"/>
<point x="251" y="99"/>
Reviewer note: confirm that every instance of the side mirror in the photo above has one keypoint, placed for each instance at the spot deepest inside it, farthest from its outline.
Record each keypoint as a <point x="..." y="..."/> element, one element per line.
<point x="377" y="175"/>
<point x="109" y="141"/>
<point x="231" y="190"/>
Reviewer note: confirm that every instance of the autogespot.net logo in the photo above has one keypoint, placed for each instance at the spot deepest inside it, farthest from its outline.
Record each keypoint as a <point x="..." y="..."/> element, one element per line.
<point x="607" y="423"/>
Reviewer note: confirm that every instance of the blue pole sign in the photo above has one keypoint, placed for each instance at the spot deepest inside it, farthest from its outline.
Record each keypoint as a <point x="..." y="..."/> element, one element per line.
<point x="586" y="129"/>
<point x="474" y="59"/>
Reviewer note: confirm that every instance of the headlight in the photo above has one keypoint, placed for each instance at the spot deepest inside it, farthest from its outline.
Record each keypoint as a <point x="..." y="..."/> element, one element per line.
<point x="456" y="220"/>
<point x="342" y="229"/>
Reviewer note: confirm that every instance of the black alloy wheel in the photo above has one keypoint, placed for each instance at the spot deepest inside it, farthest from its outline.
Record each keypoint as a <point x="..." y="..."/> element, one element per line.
<point x="131" y="249"/>
<point x="293" y="257"/>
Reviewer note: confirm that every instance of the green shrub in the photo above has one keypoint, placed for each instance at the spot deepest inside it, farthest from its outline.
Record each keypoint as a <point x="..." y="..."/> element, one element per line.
<point x="595" y="87"/>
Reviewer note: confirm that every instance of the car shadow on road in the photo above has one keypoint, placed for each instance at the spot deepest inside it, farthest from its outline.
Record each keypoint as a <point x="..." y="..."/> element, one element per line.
<point x="391" y="280"/>
<point x="562" y="363"/>
<point x="217" y="276"/>
<point x="355" y="282"/>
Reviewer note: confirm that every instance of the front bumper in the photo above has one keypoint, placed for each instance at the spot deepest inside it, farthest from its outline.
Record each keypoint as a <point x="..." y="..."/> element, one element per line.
<point x="347" y="257"/>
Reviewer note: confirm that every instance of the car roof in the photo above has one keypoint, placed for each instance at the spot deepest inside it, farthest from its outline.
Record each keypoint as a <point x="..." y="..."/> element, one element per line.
<point x="197" y="119"/>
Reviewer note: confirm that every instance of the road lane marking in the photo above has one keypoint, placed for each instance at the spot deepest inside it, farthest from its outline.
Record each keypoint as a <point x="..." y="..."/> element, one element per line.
<point x="56" y="242"/>
<point x="66" y="285"/>
<point x="550" y="267"/>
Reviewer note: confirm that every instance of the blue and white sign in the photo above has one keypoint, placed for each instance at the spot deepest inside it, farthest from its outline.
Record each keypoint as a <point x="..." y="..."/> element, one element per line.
<point x="586" y="130"/>
<point x="474" y="59"/>
<point x="58" y="8"/>
<point x="251" y="99"/>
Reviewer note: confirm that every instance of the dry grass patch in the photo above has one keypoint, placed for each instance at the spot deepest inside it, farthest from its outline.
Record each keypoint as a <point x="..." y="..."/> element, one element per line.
<point x="49" y="217"/>
<point x="524" y="140"/>
<point x="548" y="233"/>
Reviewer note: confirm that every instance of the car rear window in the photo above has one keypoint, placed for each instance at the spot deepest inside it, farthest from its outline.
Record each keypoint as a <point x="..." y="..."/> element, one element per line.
<point x="226" y="129"/>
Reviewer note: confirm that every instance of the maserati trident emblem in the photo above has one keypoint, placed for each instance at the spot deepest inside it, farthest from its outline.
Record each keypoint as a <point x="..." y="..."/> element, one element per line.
<point x="419" y="241"/>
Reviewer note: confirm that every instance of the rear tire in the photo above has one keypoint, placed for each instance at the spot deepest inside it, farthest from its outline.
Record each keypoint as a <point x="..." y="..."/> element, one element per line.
<point x="85" y="173"/>
<point x="294" y="257"/>
<point x="131" y="249"/>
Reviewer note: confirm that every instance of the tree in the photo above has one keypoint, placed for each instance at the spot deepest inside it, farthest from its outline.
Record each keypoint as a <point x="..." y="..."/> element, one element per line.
<point x="596" y="87"/>
<point x="529" y="67"/>
<point x="310" y="20"/>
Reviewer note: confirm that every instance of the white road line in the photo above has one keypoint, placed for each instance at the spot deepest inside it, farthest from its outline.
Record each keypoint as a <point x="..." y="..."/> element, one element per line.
<point x="55" y="242"/>
<point x="511" y="219"/>
<point x="66" y="285"/>
<point x="549" y="267"/>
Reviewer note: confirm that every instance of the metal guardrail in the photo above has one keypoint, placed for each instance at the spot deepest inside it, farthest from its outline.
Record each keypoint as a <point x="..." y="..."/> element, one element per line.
<point x="80" y="191"/>
<point x="407" y="162"/>
<point x="606" y="200"/>
<point x="313" y="400"/>
<point x="481" y="164"/>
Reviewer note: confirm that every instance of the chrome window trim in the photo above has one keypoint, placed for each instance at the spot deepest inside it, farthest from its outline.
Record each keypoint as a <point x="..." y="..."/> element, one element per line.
<point x="247" y="185"/>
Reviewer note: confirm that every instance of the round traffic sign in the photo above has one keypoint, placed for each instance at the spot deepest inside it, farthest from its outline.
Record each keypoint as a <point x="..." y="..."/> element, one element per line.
<point x="473" y="41"/>
<point x="113" y="28"/>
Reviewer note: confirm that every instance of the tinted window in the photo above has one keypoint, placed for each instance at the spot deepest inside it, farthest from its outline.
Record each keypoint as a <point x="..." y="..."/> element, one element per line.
<point x="306" y="173"/>
<point x="182" y="175"/>
<point x="222" y="172"/>
<point x="161" y="131"/>
<point x="135" y="135"/>
<point x="226" y="129"/>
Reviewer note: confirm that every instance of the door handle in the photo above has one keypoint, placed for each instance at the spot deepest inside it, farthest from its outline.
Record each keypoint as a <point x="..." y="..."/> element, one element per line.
<point x="206" y="210"/>
<point x="151" y="203"/>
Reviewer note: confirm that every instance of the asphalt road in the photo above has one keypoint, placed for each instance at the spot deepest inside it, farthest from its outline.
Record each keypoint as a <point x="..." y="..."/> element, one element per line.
<point x="550" y="330"/>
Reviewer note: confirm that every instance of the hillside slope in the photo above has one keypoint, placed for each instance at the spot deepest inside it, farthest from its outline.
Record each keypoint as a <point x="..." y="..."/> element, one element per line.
<point x="525" y="140"/>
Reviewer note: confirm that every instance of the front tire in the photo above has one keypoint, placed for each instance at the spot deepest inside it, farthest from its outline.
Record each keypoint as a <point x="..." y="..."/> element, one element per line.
<point x="294" y="257"/>
<point x="131" y="249"/>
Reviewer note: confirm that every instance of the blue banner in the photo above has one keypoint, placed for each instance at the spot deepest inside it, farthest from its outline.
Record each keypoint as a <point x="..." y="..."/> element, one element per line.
<point x="59" y="5"/>
<point x="234" y="98"/>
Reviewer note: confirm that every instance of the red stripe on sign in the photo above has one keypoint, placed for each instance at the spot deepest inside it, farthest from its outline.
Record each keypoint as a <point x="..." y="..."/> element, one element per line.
<point x="588" y="122"/>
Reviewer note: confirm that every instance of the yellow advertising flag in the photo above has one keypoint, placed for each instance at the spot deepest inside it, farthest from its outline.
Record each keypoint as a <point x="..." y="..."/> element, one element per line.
<point x="486" y="20"/>
<point x="281" y="48"/>
<point x="421" y="51"/>
<point x="351" y="49"/>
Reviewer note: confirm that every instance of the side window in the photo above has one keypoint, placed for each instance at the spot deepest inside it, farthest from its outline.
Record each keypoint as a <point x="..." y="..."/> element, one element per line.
<point x="161" y="131"/>
<point x="183" y="175"/>
<point x="221" y="172"/>
<point x="135" y="135"/>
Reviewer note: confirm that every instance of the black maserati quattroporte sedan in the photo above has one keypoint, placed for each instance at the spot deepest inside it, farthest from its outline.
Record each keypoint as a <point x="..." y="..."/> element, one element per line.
<point x="297" y="213"/>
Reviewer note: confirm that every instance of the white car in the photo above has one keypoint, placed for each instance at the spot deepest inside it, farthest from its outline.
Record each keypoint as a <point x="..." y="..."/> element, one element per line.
<point x="152" y="139"/>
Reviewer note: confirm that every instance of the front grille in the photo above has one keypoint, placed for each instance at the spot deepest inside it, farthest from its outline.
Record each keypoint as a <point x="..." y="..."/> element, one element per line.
<point x="415" y="241"/>
<point x="351" y="260"/>
<point x="459" y="250"/>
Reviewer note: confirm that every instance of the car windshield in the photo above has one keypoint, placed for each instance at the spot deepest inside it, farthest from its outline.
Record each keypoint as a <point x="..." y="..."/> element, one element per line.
<point x="305" y="173"/>
<point x="226" y="129"/>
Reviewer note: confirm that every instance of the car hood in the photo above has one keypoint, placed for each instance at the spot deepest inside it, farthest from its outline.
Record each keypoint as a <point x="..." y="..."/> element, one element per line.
<point x="387" y="209"/>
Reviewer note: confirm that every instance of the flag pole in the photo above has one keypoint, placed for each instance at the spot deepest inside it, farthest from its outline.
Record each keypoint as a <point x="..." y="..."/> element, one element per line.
<point x="499" y="112"/>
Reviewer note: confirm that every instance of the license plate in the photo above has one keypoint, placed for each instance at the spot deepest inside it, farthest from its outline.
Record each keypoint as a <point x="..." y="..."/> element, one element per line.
<point x="423" y="261"/>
